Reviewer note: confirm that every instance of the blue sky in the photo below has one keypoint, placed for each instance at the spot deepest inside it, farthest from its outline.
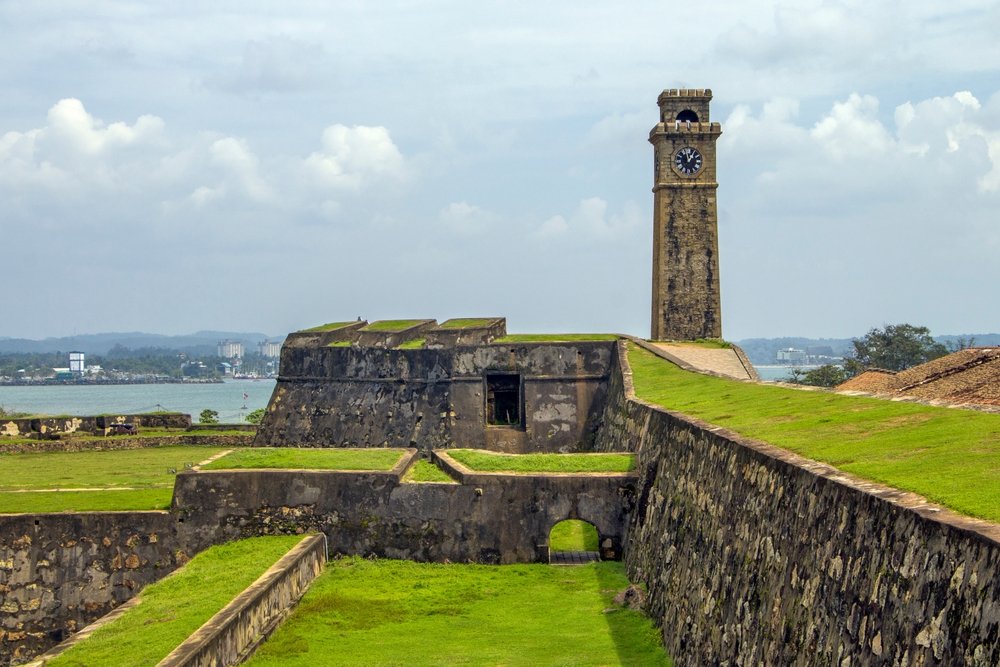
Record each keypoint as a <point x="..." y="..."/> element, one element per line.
<point x="169" y="167"/>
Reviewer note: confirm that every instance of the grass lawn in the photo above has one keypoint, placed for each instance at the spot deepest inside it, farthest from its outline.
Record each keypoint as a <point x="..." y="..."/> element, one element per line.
<point x="308" y="458"/>
<point x="174" y="607"/>
<point x="466" y="322"/>
<point x="400" y="613"/>
<point x="330" y="326"/>
<point x="573" y="535"/>
<point x="485" y="461"/>
<point x="425" y="471"/>
<point x="412" y="344"/>
<point x="550" y="338"/>
<point x="391" y="325"/>
<point x="129" y="479"/>
<point x="948" y="455"/>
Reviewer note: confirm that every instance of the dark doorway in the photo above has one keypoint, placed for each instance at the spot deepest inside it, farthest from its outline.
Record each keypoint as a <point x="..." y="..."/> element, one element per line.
<point x="687" y="116"/>
<point x="503" y="399"/>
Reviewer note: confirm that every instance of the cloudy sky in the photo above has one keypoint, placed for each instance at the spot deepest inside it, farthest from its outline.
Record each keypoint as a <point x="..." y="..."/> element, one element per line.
<point x="169" y="167"/>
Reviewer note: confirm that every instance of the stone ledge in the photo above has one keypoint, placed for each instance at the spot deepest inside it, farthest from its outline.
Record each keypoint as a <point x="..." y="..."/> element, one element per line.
<point x="469" y="476"/>
<point x="232" y="635"/>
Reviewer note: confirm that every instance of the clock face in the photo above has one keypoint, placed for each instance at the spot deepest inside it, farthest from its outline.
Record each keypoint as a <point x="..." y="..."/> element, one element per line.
<point x="688" y="161"/>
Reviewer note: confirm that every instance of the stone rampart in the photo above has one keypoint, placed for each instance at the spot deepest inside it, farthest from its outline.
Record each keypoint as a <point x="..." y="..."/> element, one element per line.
<point x="232" y="634"/>
<point x="434" y="398"/>
<point x="499" y="519"/>
<point x="753" y="555"/>
<point x="59" y="572"/>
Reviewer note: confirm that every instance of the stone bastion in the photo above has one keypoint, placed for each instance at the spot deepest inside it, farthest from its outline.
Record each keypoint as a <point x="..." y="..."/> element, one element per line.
<point x="751" y="555"/>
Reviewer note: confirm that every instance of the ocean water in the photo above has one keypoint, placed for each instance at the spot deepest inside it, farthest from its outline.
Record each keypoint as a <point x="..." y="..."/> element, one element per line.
<point x="226" y="398"/>
<point x="775" y="372"/>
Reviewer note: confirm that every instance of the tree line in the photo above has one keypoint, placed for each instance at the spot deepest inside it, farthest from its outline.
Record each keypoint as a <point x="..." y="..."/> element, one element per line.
<point x="895" y="347"/>
<point x="144" y="360"/>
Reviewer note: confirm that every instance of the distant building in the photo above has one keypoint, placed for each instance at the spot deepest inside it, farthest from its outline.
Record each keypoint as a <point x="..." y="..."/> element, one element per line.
<point x="224" y="368"/>
<point x="790" y="355"/>
<point x="230" y="349"/>
<point x="194" y="369"/>
<point x="76" y="363"/>
<point x="270" y="349"/>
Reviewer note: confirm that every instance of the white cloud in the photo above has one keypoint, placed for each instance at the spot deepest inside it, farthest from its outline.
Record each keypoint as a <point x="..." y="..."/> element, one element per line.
<point x="354" y="157"/>
<point x="591" y="220"/>
<point x="241" y="166"/>
<point x="76" y="150"/>
<point x="852" y="130"/>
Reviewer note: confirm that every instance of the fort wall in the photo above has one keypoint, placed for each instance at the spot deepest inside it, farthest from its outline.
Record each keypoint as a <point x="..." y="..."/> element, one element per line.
<point x="754" y="555"/>
<point x="59" y="572"/>
<point x="352" y="396"/>
<point x="498" y="519"/>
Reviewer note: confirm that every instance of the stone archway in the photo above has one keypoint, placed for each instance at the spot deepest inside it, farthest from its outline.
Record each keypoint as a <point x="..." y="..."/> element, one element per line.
<point x="573" y="541"/>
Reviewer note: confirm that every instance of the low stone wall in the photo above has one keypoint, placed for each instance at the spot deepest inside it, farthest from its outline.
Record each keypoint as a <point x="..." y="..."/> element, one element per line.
<point x="49" y="426"/>
<point x="71" y="444"/>
<point x="230" y="636"/>
<point x="499" y="519"/>
<point x="753" y="555"/>
<point x="59" y="572"/>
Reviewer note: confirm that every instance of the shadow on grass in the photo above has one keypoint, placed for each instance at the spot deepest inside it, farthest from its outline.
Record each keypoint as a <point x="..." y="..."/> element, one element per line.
<point x="632" y="632"/>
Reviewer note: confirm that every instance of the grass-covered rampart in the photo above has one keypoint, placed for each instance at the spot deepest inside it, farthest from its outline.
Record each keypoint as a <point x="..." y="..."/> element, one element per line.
<point x="171" y="609"/>
<point x="308" y="458"/>
<point x="950" y="456"/>
<point x="486" y="461"/>
<point x="555" y="338"/>
<point x="129" y="479"/>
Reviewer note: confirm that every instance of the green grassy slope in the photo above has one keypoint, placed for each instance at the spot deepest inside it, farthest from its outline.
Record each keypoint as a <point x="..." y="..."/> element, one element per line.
<point x="174" y="607"/>
<point x="948" y="455"/>
<point x="485" y="461"/>
<point x="308" y="458"/>
<point x="130" y="479"/>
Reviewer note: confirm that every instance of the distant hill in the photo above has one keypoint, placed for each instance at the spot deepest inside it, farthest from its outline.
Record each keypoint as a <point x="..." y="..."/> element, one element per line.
<point x="763" y="351"/>
<point x="200" y="343"/>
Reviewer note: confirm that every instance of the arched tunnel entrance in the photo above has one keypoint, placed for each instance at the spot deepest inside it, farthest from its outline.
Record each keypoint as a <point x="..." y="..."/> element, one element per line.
<point x="573" y="541"/>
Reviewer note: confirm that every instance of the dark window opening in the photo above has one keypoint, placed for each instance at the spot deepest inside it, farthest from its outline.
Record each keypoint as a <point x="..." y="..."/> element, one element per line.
<point x="687" y="115"/>
<point x="503" y="399"/>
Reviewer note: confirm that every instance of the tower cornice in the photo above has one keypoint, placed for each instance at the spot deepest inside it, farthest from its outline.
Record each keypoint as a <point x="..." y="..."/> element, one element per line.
<point x="681" y="128"/>
<point x="694" y="185"/>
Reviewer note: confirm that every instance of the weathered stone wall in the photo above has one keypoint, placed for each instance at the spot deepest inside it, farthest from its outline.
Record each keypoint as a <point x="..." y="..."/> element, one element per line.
<point x="35" y="426"/>
<point x="71" y="444"/>
<point x="231" y="635"/>
<point x="370" y="397"/>
<point x="499" y="519"/>
<point x="755" y="556"/>
<point x="59" y="572"/>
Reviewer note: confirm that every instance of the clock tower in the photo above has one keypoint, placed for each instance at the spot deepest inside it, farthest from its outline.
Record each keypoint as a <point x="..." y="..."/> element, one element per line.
<point x="686" y="302"/>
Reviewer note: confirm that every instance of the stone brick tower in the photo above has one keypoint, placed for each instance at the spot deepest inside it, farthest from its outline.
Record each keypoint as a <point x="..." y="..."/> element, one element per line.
<point x="686" y="302"/>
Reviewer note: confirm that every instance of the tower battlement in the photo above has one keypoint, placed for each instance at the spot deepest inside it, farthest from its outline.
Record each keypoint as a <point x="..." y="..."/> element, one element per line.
<point x="684" y="104"/>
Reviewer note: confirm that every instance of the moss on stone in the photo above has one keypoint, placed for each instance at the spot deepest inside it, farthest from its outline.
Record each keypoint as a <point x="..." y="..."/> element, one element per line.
<point x="330" y="326"/>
